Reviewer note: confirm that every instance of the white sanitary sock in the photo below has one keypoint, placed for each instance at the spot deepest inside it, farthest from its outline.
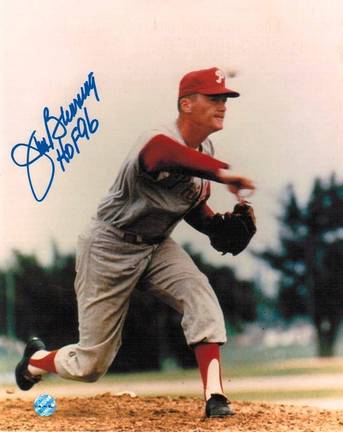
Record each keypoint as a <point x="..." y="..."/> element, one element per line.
<point x="37" y="356"/>
<point x="213" y="379"/>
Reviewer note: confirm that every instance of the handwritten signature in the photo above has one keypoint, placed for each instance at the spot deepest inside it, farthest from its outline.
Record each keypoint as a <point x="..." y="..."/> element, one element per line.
<point x="63" y="133"/>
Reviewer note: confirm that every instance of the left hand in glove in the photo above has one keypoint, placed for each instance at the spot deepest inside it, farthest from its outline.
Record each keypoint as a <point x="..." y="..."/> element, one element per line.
<point x="232" y="232"/>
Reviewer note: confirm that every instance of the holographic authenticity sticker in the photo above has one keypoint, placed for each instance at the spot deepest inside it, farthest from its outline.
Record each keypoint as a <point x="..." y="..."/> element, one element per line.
<point x="44" y="405"/>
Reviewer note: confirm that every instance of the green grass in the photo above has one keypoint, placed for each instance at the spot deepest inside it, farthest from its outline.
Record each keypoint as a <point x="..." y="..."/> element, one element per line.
<point x="287" y="367"/>
<point x="176" y="375"/>
<point x="305" y="367"/>
<point x="299" y="367"/>
<point x="272" y="369"/>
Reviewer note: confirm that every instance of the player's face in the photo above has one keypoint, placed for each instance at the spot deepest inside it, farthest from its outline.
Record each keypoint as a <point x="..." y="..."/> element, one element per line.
<point x="209" y="111"/>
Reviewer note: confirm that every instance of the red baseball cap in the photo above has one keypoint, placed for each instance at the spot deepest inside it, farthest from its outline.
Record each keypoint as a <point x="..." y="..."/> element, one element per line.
<point x="206" y="81"/>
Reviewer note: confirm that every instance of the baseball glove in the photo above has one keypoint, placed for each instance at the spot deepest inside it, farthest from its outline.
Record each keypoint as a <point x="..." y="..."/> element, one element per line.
<point x="232" y="232"/>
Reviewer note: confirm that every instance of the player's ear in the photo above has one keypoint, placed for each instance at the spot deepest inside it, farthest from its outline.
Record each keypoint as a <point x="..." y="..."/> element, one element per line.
<point x="185" y="104"/>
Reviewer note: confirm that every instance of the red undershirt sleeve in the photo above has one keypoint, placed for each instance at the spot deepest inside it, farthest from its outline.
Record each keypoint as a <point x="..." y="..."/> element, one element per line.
<point x="199" y="217"/>
<point x="163" y="153"/>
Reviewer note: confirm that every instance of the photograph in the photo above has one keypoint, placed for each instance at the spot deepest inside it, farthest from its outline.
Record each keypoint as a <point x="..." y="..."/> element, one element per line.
<point x="171" y="179"/>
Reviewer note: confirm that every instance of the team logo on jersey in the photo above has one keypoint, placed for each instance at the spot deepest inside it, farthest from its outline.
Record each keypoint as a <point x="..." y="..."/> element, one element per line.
<point x="182" y="185"/>
<point x="220" y="75"/>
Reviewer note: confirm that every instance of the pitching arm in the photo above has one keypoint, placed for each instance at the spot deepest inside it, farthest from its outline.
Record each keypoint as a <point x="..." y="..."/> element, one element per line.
<point x="163" y="153"/>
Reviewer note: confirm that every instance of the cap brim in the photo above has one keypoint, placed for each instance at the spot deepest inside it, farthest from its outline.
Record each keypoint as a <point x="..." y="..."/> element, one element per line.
<point x="215" y="91"/>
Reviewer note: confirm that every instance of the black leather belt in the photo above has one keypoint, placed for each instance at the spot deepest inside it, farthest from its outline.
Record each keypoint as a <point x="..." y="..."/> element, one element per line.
<point x="136" y="238"/>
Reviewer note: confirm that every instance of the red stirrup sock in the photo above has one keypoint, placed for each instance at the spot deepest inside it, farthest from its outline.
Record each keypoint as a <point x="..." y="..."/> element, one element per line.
<point x="43" y="364"/>
<point x="208" y="358"/>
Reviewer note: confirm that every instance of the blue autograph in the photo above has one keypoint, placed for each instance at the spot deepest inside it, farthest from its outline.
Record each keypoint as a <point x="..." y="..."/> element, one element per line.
<point x="58" y="138"/>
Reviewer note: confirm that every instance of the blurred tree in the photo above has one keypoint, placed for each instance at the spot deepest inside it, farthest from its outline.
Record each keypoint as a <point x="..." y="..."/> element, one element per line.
<point x="44" y="300"/>
<point x="3" y="308"/>
<point x="310" y="260"/>
<point x="61" y="307"/>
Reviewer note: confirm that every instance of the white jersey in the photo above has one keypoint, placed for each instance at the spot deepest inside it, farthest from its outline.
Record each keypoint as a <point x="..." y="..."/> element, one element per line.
<point x="152" y="205"/>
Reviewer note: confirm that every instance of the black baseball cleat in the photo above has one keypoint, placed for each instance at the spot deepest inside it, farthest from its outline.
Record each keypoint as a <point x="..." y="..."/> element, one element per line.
<point x="22" y="376"/>
<point x="218" y="406"/>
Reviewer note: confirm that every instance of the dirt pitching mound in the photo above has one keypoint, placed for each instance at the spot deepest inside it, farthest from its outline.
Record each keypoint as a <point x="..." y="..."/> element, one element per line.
<point x="107" y="412"/>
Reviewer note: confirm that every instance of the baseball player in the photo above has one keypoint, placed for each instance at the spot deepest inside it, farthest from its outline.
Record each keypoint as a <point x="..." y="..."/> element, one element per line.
<point x="164" y="179"/>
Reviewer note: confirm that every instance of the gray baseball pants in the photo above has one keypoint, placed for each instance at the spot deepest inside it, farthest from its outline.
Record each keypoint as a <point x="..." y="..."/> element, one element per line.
<point x="108" y="270"/>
